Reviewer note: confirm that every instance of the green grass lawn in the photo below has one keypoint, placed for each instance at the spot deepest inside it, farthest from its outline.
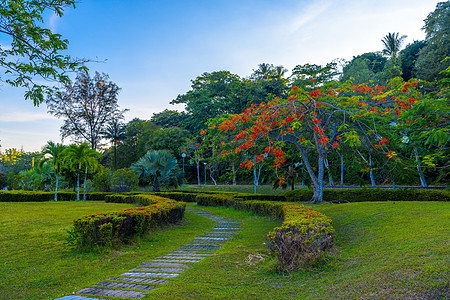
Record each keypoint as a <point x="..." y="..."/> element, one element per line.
<point x="384" y="250"/>
<point x="35" y="263"/>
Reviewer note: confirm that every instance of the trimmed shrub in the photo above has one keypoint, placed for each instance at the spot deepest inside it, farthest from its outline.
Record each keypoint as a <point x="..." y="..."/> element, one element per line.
<point x="370" y="194"/>
<point x="38" y="196"/>
<point x="215" y="200"/>
<point x="178" y="196"/>
<point x="111" y="229"/>
<point x="245" y="196"/>
<point x="305" y="234"/>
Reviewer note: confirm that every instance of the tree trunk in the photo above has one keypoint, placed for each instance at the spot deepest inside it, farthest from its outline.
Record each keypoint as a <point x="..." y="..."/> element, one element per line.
<point x="233" y="170"/>
<point x="419" y="169"/>
<point x="330" y="177"/>
<point x="56" y="187"/>
<point x="372" y="178"/>
<point x="115" y="157"/>
<point x="211" y="174"/>
<point x="84" y="186"/>
<point x="198" y="172"/>
<point x="342" y="170"/>
<point x="318" y="183"/>
<point x="78" y="185"/>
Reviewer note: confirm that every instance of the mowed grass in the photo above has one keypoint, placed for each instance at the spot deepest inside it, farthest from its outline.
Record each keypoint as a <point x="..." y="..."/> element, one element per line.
<point x="36" y="264"/>
<point x="384" y="250"/>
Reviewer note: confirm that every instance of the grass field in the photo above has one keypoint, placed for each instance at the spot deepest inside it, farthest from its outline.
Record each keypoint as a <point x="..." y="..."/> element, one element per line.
<point x="35" y="263"/>
<point x="384" y="250"/>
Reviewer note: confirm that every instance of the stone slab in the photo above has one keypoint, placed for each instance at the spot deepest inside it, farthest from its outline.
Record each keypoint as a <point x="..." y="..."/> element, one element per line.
<point x="187" y="253"/>
<point x="209" y="238"/>
<point x="163" y="265"/>
<point x="112" y="293"/>
<point x="153" y="275"/>
<point x="139" y="280"/>
<point x="123" y="285"/>
<point x="182" y="257"/>
<point x="77" y="298"/>
<point x="175" y="260"/>
<point x="164" y="270"/>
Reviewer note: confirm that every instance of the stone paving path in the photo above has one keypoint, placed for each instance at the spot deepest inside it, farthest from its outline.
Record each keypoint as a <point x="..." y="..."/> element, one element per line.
<point x="139" y="281"/>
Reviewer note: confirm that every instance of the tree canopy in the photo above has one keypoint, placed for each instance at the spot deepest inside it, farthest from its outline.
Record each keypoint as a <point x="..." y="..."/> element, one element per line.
<point x="34" y="51"/>
<point x="86" y="106"/>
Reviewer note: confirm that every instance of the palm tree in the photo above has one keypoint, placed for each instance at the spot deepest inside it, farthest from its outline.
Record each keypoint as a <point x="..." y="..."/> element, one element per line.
<point x="392" y="44"/>
<point x="77" y="157"/>
<point x="157" y="168"/>
<point x="56" y="158"/>
<point x="115" y="132"/>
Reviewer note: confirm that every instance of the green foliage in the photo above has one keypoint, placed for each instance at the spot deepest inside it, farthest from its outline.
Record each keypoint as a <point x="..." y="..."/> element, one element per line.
<point x="112" y="229"/>
<point x="171" y="139"/>
<point x="38" y="196"/>
<point x="87" y="106"/>
<point x="408" y="58"/>
<point x="79" y="157"/>
<point x="158" y="169"/>
<point x="169" y="118"/>
<point x="103" y="180"/>
<point x="437" y="28"/>
<point x="35" y="53"/>
<point x="392" y="44"/>
<point x="304" y="236"/>
<point x="124" y="180"/>
<point x="364" y="68"/>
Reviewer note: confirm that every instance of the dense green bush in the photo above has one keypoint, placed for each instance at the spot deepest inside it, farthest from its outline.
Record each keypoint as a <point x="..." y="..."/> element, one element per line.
<point x="370" y="194"/>
<point x="179" y="196"/>
<point x="305" y="235"/>
<point x="38" y="196"/>
<point x="215" y="200"/>
<point x="112" y="229"/>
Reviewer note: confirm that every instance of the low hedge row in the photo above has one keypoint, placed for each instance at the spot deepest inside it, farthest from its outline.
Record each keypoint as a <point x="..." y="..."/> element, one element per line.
<point x="111" y="229"/>
<point x="179" y="196"/>
<point x="305" y="234"/>
<point x="39" y="196"/>
<point x="370" y="194"/>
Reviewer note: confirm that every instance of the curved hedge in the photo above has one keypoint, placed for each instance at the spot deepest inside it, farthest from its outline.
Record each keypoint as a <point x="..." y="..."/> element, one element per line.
<point x="370" y="194"/>
<point x="305" y="234"/>
<point x="40" y="196"/>
<point x="111" y="229"/>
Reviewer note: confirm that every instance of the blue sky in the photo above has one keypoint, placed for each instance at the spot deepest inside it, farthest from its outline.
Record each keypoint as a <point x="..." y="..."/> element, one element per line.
<point x="153" y="49"/>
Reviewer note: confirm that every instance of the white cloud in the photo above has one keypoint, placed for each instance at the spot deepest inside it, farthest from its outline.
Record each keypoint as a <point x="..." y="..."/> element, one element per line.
<point x="18" y="116"/>
<point x="53" y="22"/>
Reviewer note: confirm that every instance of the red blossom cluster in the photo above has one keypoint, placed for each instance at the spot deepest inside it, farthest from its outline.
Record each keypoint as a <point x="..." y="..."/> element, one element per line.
<point x="382" y="142"/>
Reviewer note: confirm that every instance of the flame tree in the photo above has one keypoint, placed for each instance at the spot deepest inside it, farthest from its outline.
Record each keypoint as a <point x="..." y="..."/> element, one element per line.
<point x="318" y="121"/>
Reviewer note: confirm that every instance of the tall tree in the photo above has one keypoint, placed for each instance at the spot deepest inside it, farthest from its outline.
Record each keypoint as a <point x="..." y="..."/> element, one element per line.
<point x="392" y="44"/>
<point x="169" y="118"/>
<point x="211" y="95"/>
<point x="55" y="151"/>
<point x="115" y="132"/>
<point x="316" y="122"/>
<point x="364" y="68"/>
<point x="430" y="62"/>
<point x="79" y="157"/>
<point x="35" y="52"/>
<point x="408" y="58"/>
<point x="86" y="106"/>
